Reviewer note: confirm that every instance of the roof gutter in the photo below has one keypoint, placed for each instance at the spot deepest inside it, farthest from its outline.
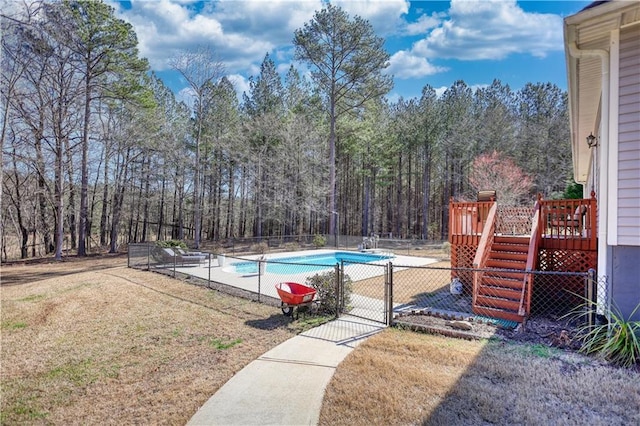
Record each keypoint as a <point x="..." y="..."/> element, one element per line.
<point x="603" y="146"/>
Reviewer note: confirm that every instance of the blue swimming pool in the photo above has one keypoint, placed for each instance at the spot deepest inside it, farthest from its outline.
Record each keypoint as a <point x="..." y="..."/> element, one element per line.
<point x="308" y="263"/>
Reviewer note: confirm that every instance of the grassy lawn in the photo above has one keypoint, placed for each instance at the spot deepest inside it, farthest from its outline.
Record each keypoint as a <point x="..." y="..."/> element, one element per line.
<point x="120" y="346"/>
<point x="93" y="342"/>
<point x="401" y="377"/>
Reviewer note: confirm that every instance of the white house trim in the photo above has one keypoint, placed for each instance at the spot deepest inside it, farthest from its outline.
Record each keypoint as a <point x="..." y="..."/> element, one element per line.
<point x="603" y="142"/>
<point x="612" y="119"/>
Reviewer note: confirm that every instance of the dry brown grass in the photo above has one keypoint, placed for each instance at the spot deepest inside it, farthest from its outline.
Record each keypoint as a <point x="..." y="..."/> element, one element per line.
<point x="402" y="377"/>
<point x="409" y="284"/>
<point x="121" y="346"/>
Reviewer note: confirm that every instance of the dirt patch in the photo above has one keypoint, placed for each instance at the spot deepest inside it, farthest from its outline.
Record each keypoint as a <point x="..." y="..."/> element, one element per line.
<point x="451" y="326"/>
<point x="536" y="331"/>
<point x="544" y="331"/>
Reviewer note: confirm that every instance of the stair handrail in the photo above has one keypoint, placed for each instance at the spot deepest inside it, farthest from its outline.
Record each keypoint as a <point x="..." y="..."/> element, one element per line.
<point x="532" y="258"/>
<point x="484" y="248"/>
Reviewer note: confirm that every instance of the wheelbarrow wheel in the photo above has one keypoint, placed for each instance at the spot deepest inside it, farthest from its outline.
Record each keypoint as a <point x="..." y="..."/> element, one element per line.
<point x="287" y="310"/>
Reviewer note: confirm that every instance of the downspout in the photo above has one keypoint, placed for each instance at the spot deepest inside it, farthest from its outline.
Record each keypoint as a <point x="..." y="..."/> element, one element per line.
<point x="603" y="184"/>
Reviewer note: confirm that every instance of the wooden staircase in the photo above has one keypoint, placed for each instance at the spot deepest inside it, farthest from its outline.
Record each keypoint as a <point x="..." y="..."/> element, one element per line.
<point x="499" y="290"/>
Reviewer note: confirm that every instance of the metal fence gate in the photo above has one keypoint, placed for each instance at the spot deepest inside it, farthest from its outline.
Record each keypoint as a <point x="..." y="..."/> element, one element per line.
<point x="364" y="291"/>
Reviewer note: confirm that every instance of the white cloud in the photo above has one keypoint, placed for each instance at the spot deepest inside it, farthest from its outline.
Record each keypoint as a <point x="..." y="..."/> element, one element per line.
<point x="240" y="84"/>
<point x="384" y="15"/>
<point x="423" y="24"/>
<point x="476" y="87"/>
<point x="186" y="95"/>
<point x="440" y="91"/>
<point x="491" y="29"/>
<point x="272" y="20"/>
<point x="404" y="64"/>
<point x="241" y="32"/>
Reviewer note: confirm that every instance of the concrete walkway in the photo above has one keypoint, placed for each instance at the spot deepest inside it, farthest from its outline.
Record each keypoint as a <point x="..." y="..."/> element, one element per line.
<point x="286" y="385"/>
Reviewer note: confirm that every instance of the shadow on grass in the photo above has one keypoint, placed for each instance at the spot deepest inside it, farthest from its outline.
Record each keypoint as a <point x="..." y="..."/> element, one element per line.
<point x="296" y="324"/>
<point x="33" y="270"/>
<point x="273" y="322"/>
<point x="435" y="380"/>
<point x="511" y="383"/>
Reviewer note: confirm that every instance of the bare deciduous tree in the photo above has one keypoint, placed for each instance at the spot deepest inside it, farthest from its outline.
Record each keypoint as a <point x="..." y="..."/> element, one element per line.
<point x="201" y="69"/>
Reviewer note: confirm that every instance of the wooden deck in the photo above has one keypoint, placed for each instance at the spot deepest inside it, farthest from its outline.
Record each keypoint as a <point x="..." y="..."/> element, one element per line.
<point x="562" y="237"/>
<point x="564" y="224"/>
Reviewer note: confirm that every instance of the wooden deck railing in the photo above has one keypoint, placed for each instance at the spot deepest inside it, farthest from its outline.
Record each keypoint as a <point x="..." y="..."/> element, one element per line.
<point x="484" y="247"/>
<point x="564" y="224"/>
<point x="467" y="221"/>
<point x="569" y="224"/>
<point x="532" y="260"/>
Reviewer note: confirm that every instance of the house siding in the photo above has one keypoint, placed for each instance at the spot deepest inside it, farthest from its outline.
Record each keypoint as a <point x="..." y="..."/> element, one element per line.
<point x="625" y="288"/>
<point x="629" y="138"/>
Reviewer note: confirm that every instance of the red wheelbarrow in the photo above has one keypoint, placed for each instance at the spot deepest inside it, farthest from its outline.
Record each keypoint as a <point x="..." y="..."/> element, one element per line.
<point x="294" y="295"/>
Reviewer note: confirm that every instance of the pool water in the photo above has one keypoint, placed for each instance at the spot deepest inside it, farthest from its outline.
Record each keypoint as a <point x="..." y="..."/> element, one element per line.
<point x="310" y="263"/>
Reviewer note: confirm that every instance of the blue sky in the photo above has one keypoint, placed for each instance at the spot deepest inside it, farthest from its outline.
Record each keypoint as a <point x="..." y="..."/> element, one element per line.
<point x="430" y="42"/>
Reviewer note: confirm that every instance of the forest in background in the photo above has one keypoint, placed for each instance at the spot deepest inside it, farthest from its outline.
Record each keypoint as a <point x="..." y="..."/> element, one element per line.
<point x="97" y="151"/>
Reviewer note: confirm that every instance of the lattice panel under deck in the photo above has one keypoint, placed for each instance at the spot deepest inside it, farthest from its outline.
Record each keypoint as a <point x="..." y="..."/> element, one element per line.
<point x="514" y="220"/>
<point x="462" y="257"/>
<point x="566" y="260"/>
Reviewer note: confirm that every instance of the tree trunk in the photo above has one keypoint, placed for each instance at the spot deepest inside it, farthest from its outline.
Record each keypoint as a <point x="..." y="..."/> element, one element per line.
<point x="72" y="195"/>
<point x="59" y="195"/>
<point x="159" y="236"/>
<point x="17" y="203"/>
<point x="42" y="201"/>
<point x="104" y="216"/>
<point x="147" y="195"/>
<point x="118" y="198"/>
<point x="84" y="166"/>
<point x="426" y="190"/>
<point x="332" y="163"/>
<point x="230" y="203"/>
<point x="399" y="202"/>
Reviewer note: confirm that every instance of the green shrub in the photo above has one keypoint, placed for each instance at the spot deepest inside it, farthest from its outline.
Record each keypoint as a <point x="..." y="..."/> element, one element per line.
<point x="292" y="246"/>
<point x="261" y="247"/>
<point x="617" y="341"/>
<point x="319" y="241"/>
<point x="172" y="243"/>
<point x="573" y="191"/>
<point x="446" y="248"/>
<point x="325" y="286"/>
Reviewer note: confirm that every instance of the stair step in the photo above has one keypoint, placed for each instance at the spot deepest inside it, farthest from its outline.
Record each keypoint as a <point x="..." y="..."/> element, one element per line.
<point x="508" y="239"/>
<point x="497" y="313"/>
<point x="499" y="293"/>
<point x="497" y="281"/>
<point x="506" y="264"/>
<point x="504" y="274"/>
<point x="510" y="248"/>
<point x="498" y="303"/>
<point x="503" y="293"/>
<point x="506" y="255"/>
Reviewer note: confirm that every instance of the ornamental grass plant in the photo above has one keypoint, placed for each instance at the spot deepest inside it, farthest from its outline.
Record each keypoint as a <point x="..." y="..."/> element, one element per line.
<point x="617" y="340"/>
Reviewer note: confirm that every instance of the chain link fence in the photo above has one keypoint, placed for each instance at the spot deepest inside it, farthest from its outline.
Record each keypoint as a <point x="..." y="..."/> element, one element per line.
<point x="290" y="243"/>
<point x="256" y="276"/>
<point x="446" y="292"/>
<point x="384" y="285"/>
